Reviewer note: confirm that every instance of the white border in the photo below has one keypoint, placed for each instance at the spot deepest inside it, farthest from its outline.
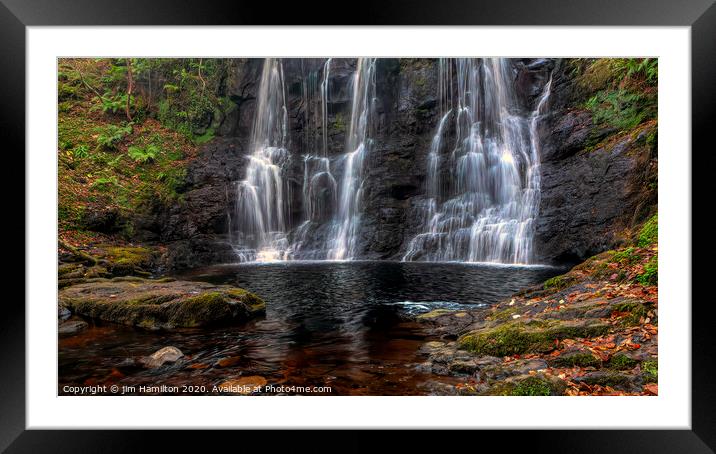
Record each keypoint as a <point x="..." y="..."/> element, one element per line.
<point x="671" y="409"/>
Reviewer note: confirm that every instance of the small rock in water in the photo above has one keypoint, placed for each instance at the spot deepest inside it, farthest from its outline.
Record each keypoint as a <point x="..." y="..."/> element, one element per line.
<point x="63" y="313"/>
<point x="161" y="356"/>
<point x="71" y="327"/>
<point x="227" y="361"/>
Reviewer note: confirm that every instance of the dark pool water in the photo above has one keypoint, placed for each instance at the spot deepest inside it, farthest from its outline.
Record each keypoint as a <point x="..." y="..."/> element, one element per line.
<point x="336" y="324"/>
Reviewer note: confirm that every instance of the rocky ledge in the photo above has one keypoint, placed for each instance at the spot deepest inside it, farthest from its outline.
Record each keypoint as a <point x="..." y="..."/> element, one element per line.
<point x="161" y="303"/>
<point x="592" y="331"/>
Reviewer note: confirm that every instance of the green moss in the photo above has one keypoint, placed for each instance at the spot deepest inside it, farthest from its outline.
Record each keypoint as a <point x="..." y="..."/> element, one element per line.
<point x="650" y="371"/>
<point x="621" y="361"/>
<point x="627" y="256"/>
<point x="504" y="314"/>
<point x="535" y="385"/>
<point x="577" y="359"/>
<point x="558" y="282"/>
<point x="339" y="125"/>
<point x="650" y="276"/>
<point x="514" y="338"/>
<point x="635" y="312"/>
<point x="649" y="234"/>
<point x="132" y="255"/>
<point x="434" y="313"/>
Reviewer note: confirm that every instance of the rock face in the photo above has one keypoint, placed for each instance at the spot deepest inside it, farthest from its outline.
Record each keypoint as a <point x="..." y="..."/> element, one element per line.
<point x="156" y="304"/>
<point x="590" y="195"/>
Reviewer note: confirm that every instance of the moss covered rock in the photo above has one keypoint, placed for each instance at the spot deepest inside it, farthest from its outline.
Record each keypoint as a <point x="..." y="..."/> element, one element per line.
<point x="535" y="336"/>
<point x="529" y="385"/>
<point x="155" y="305"/>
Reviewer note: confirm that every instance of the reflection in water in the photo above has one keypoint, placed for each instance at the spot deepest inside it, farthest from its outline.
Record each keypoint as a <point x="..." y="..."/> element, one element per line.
<point x="339" y="324"/>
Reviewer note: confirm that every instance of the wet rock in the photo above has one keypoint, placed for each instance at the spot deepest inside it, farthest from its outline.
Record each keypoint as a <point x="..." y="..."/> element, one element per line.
<point x="71" y="327"/>
<point x="529" y="336"/>
<point x="158" y="304"/>
<point x="63" y="313"/>
<point x="622" y="381"/>
<point x="228" y="361"/>
<point x="160" y="357"/>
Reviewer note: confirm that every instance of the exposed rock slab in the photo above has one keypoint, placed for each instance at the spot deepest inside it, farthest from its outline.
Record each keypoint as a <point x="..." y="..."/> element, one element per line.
<point x="158" y="304"/>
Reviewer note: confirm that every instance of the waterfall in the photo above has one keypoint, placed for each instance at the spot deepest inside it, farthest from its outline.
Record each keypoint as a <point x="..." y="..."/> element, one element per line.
<point x="486" y="211"/>
<point x="344" y="232"/>
<point x="262" y="197"/>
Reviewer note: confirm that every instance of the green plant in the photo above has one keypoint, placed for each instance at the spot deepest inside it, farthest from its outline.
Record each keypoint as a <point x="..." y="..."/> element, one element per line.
<point x="620" y="108"/>
<point x="111" y="135"/>
<point x="143" y="155"/>
<point x="113" y="103"/>
<point x="104" y="183"/>
<point x="649" y="233"/>
<point x="650" y="276"/>
<point x="647" y="68"/>
<point x="80" y="151"/>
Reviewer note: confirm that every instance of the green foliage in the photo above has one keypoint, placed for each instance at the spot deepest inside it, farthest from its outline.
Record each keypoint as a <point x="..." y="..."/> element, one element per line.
<point x="143" y="155"/>
<point x="114" y="102"/>
<point x="80" y="151"/>
<point x="105" y="183"/>
<point x="621" y="109"/>
<point x="650" y="276"/>
<point x="111" y="135"/>
<point x="646" y="68"/>
<point x="207" y="136"/>
<point x="190" y="99"/>
<point x="649" y="234"/>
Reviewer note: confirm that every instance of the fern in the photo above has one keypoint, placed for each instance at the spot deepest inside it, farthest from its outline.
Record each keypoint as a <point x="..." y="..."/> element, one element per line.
<point x="143" y="155"/>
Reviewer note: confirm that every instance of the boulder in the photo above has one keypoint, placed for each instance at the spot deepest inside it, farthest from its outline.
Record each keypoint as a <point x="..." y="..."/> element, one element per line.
<point x="160" y="304"/>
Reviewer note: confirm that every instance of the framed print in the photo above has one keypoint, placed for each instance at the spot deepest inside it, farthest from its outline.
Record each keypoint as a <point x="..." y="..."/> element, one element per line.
<point x="426" y="218"/>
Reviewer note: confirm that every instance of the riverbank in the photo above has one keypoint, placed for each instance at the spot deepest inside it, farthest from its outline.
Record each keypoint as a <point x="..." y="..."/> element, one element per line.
<point x="591" y="331"/>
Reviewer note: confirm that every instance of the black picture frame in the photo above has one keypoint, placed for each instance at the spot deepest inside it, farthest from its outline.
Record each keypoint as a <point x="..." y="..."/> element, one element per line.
<point x="700" y="15"/>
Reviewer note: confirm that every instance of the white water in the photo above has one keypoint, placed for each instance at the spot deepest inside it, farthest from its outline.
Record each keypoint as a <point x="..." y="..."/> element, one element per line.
<point x="485" y="211"/>
<point x="483" y="170"/>
<point x="263" y="196"/>
<point x="344" y="232"/>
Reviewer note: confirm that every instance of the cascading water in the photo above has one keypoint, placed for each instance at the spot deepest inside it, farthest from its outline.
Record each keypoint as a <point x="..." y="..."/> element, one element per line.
<point x="263" y="199"/>
<point x="486" y="212"/>
<point x="344" y="232"/>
